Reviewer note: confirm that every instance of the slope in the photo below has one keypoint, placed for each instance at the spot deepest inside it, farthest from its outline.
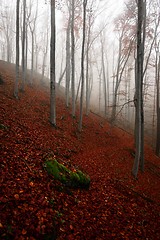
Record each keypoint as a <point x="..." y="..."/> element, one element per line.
<point x="35" y="206"/>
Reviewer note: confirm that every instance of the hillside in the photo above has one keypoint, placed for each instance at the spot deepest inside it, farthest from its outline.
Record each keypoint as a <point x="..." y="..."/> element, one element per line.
<point x="35" y="206"/>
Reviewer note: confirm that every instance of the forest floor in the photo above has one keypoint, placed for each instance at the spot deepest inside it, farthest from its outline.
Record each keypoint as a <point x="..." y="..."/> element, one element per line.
<point x="35" y="206"/>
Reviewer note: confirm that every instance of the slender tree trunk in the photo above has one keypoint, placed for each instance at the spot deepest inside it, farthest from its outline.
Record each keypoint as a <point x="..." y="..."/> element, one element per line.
<point x="26" y="51"/>
<point x="73" y="61"/>
<point x="8" y="47"/>
<point x="52" y="67"/>
<point x="32" y="58"/>
<point x="61" y="77"/>
<point x="139" y="138"/>
<point x="32" y="29"/>
<point x="82" y="65"/>
<point x="116" y="83"/>
<point x="68" y="63"/>
<point x="100" y="86"/>
<point x="104" y="79"/>
<point x="87" y="70"/>
<point x="78" y="88"/>
<point x="23" y="45"/>
<point x="17" y="51"/>
<point x="158" y="109"/>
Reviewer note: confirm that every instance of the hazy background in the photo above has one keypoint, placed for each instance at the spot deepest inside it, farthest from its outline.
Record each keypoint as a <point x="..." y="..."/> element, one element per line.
<point x="103" y="30"/>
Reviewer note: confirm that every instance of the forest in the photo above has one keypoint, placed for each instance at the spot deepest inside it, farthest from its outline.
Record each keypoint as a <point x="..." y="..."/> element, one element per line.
<point x="80" y="119"/>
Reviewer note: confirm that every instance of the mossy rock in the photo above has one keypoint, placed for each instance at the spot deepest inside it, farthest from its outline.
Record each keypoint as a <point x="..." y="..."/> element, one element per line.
<point x="75" y="179"/>
<point x="3" y="127"/>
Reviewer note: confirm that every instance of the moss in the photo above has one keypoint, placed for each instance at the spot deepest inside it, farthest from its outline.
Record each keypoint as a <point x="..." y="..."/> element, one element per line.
<point x="3" y="127"/>
<point x="84" y="179"/>
<point x="76" y="179"/>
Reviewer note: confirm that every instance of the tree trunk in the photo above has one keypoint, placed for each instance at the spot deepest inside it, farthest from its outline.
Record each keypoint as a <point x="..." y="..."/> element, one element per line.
<point x="82" y="65"/>
<point x="158" y="109"/>
<point x="139" y="128"/>
<point x="52" y="67"/>
<point x="73" y="61"/>
<point x="17" y="51"/>
<point x="104" y="78"/>
<point x="23" y="45"/>
<point x="68" y="63"/>
<point x="32" y="58"/>
<point x="87" y="69"/>
<point x="45" y="56"/>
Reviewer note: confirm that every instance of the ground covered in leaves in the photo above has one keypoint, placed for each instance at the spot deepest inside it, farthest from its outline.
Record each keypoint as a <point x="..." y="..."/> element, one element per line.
<point x="33" y="205"/>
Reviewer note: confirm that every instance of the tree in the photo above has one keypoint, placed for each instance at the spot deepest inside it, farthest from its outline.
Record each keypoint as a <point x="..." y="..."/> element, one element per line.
<point x="68" y="56"/>
<point x="158" y="100"/>
<point x="73" y="58"/>
<point x="139" y="125"/>
<point x="126" y="38"/>
<point x="23" y="45"/>
<point x="32" y="26"/>
<point x="104" y="75"/>
<point x="45" y="52"/>
<point x="82" y="65"/>
<point x="6" y="26"/>
<point x="17" y="50"/>
<point x="52" y="67"/>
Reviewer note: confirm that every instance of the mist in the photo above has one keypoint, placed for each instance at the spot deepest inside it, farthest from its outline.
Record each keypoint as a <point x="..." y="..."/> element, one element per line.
<point x="109" y="54"/>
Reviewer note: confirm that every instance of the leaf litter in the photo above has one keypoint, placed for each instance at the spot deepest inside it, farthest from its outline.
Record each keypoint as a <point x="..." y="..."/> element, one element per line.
<point x="33" y="205"/>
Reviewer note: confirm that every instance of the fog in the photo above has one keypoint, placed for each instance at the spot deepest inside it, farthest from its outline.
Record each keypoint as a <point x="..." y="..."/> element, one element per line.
<point x="105" y="35"/>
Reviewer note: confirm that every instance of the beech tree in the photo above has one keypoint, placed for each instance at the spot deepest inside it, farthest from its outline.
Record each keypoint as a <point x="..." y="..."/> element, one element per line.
<point x="7" y="27"/>
<point x="82" y="65"/>
<point x="104" y="77"/>
<point x="23" y="45"/>
<point x="17" y="50"/>
<point x="52" y="66"/>
<point x="32" y="25"/>
<point x="157" y="70"/>
<point x="68" y="56"/>
<point x="139" y="125"/>
<point x="45" y="51"/>
<point x="73" y="57"/>
<point x="125" y="27"/>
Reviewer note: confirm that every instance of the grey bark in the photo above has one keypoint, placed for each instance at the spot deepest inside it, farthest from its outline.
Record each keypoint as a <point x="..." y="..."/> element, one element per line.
<point x="23" y="45"/>
<point x="68" y="61"/>
<point x="82" y="66"/>
<point x="32" y="30"/>
<point x="104" y="78"/>
<point x="87" y="67"/>
<point x="17" y="51"/>
<point x="73" y="60"/>
<point x="139" y="128"/>
<point x="52" y="67"/>
<point x="158" y="107"/>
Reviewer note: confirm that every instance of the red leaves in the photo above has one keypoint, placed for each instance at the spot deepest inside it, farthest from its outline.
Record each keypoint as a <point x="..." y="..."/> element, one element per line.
<point x="32" y="205"/>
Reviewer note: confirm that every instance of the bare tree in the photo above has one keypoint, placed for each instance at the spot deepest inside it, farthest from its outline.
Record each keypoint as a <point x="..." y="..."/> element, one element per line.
<point x="158" y="100"/>
<point x="125" y="48"/>
<point x="73" y="58"/>
<point x="52" y="67"/>
<point x="139" y="125"/>
<point x="32" y="26"/>
<point x="6" y="26"/>
<point x="68" y="55"/>
<point x="23" y="45"/>
<point x="82" y="65"/>
<point x="45" y="51"/>
<point x="17" y="51"/>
